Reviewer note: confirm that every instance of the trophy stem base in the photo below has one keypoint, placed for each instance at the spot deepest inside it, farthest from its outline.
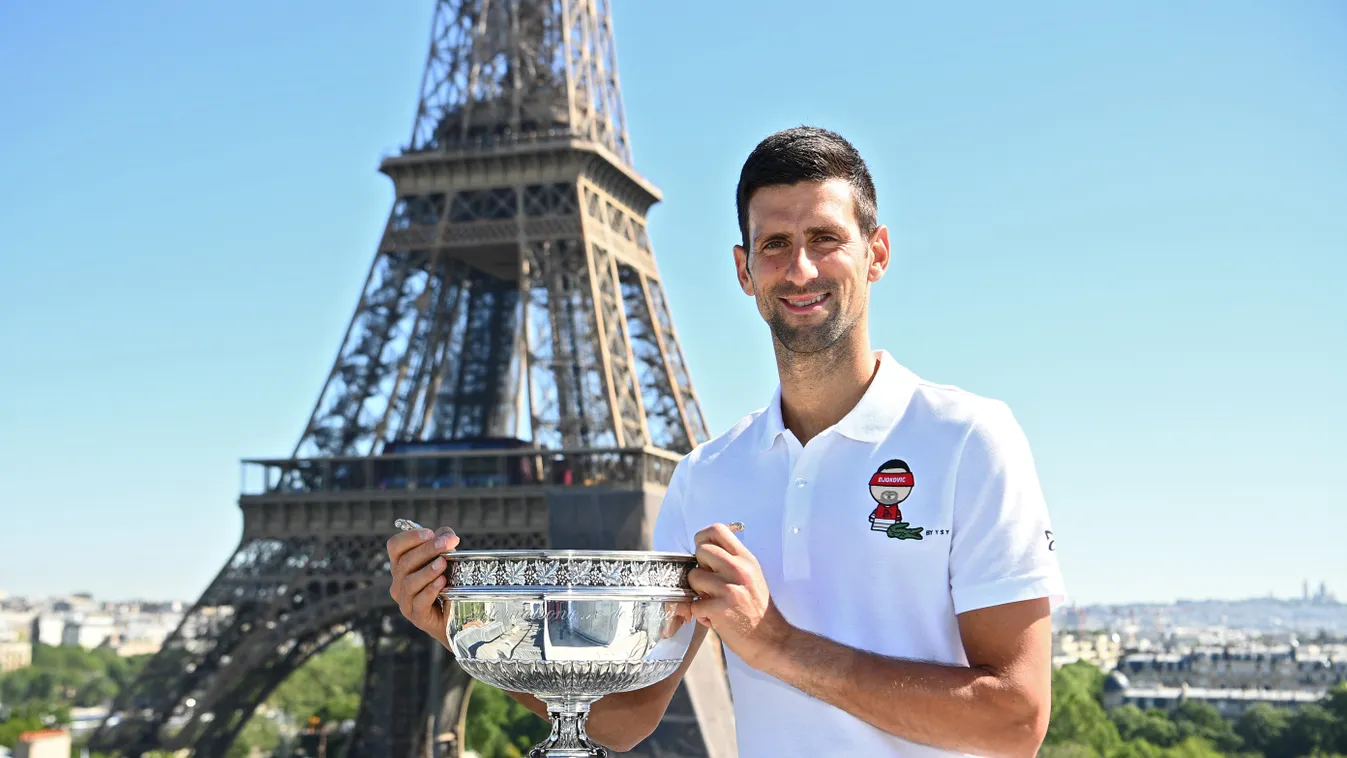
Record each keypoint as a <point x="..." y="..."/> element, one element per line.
<point x="568" y="738"/>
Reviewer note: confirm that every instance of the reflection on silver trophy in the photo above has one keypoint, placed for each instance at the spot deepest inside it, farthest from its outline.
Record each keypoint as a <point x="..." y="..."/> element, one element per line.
<point x="569" y="626"/>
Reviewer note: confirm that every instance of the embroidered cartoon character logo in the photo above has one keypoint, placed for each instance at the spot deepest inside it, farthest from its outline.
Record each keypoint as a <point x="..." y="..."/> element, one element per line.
<point x="889" y="486"/>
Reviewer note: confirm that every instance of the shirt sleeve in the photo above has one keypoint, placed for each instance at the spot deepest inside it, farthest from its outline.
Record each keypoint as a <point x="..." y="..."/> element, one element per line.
<point x="1003" y="549"/>
<point x="670" y="533"/>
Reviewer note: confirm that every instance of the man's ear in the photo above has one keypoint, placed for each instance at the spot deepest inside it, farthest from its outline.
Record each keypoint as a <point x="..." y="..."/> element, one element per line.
<point x="741" y="269"/>
<point x="880" y="253"/>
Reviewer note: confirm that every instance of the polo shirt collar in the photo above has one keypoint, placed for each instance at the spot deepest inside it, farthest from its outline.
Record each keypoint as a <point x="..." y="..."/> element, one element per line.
<point x="870" y="420"/>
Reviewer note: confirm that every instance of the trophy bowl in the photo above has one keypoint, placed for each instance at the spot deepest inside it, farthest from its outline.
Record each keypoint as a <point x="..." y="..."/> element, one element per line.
<point x="569" y="627"/>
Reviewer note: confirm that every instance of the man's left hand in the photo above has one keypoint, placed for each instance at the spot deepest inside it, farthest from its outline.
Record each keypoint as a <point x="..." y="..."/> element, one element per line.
<point x="734" y="599"/>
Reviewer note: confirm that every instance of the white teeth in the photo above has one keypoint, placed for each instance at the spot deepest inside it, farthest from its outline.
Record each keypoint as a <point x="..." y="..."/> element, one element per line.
<point x="799" y="304"/>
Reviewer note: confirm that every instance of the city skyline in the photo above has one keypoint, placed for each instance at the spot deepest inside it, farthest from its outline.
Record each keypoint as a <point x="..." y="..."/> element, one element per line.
<point x="1124" y="223"/>
<point x="1332" y="599"/>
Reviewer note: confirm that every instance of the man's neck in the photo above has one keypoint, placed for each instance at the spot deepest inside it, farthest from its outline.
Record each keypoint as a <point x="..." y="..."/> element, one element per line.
<point x="820" y="389"/>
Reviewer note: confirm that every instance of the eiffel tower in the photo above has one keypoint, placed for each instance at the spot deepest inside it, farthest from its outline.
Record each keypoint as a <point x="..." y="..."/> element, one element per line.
<point x="511" y="369"/>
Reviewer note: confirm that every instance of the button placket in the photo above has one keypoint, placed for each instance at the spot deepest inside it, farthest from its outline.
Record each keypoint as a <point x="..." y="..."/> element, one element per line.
<point x="795" y="521"/>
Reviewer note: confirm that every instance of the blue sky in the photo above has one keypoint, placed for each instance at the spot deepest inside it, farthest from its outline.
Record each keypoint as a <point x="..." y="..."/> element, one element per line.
<point x="1126" y="220"/>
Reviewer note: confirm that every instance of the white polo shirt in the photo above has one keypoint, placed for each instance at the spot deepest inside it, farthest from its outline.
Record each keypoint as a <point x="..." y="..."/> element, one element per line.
<point x="834" y="525"/>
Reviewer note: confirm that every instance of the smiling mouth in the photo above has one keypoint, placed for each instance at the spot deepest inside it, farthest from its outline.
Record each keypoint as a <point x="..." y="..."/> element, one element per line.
<point x="804" y="303"/>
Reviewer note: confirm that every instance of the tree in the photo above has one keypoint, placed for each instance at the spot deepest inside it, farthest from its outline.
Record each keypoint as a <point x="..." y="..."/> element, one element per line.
<point x="499" y="727"/>
<point x="259" y="731"/>
<point x="1153" y="726"/>
<point x="1077" y="715"/>
<point x="1336" y="705"/>
<point x="27" y="717"/>
<point x="69" y="673"/>
<point x="1261" y="727"/>
<point x="1194" y="747"/>
<point x="1312" y="731"/>
<point x="1198" y="719"/>
<point x="1067" y="750"/>
<point x="327" y="685"/>
<point x="11" y="728"/>
<point x="1138" y="748"/>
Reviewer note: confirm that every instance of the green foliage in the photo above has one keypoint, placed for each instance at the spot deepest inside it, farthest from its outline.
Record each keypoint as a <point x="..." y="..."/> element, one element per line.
<point x="70" y="674"/>
<point x="1077" y="715"/>
<point x="260" y="732"/>
<point x="29" y="716"/>
<point x="41" y="695"/>
<point x="327" y="685"/>
<point x="499" y="727"/>
<point x="1261" y="727"/>
<point x="1202" y="720"/>
<point x="1193" y="747"/>
<point x="1080" y="728"/>
<point x="11" y="728"/>
<point x="1312" y="731"/>
<point x="1152" y="726"/>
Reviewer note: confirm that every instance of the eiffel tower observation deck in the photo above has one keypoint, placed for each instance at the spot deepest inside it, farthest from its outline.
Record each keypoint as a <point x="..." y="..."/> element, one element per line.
<point x="510" y="369"/>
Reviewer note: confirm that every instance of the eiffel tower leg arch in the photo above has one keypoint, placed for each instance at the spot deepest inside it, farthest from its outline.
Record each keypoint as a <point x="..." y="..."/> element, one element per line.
<point x="409" y="689"/>
<point x="236" y="707"/>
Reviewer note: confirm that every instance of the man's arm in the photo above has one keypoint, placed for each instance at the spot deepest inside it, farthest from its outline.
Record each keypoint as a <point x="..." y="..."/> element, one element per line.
<point x="998" y="705"/>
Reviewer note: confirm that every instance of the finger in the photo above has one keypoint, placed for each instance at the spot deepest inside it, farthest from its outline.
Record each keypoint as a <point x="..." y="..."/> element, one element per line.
<point x="418" y="581"/>
<point x="424" y="553"/>
<point x="719" y="534"/>
<point x="400" y="543"/>
<point x="716" y="559"/>
<point x="705" y="610"/>
<point x="705" y="583"/>
<point x="423" y="603"/>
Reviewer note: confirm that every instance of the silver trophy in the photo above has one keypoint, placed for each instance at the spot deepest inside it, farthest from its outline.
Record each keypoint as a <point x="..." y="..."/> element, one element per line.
<point x="569" y="627"/>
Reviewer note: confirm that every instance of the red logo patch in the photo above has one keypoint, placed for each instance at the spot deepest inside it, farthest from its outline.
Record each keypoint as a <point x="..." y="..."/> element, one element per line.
<point x="889" y="486"/>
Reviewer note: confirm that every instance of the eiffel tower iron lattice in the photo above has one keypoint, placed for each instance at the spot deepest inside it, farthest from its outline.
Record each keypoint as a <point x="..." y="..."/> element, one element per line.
<point x="511" y="368"/>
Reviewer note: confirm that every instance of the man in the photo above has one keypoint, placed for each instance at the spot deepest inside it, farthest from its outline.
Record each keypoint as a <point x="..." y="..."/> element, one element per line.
<point x="927" y="635"/>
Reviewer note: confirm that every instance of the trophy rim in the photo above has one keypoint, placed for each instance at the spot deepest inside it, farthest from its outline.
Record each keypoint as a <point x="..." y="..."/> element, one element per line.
<point x="565" y="592"/>
<point x="631" y="555"/>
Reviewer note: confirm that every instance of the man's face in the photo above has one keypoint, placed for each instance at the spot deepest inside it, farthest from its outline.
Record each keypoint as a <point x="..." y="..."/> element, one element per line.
<point x="808" y="265"/>
<point x="890" y="486"/>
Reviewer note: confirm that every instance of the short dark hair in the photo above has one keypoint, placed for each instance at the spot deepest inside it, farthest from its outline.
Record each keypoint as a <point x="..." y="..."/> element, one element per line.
<point x="807" y="153"/>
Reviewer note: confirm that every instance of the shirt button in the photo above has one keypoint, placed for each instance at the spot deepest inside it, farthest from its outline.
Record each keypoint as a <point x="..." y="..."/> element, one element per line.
<point x="795" y="530"/>
<point x="799" y="482"/>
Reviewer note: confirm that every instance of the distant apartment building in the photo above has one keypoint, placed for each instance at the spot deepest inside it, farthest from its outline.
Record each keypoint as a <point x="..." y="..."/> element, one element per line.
<point x="15" y="654"/>
<point x="1286" y="668"/>
<point x="48" y="629"/>
<point x="1231" y="680"/>
<point x="16" y="623"/>
<point x="1101" y="649"/>
<point x="1229" y="702"/>
<point x="129" y="629"/>
<point x="88" y="632"/>
<point x="47" y="743"/>
<point x="127" y="648"/>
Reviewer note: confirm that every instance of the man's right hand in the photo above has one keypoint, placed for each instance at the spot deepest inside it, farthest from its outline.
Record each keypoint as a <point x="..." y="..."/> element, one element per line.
<point x="418" y="577"/>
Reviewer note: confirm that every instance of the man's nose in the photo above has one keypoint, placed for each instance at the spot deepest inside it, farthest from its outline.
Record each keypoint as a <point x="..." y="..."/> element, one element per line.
<point x="801" y="269"/>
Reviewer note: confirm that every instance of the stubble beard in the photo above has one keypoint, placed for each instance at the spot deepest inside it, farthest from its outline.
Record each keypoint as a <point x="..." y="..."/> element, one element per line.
<point x="804" y="340"/>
